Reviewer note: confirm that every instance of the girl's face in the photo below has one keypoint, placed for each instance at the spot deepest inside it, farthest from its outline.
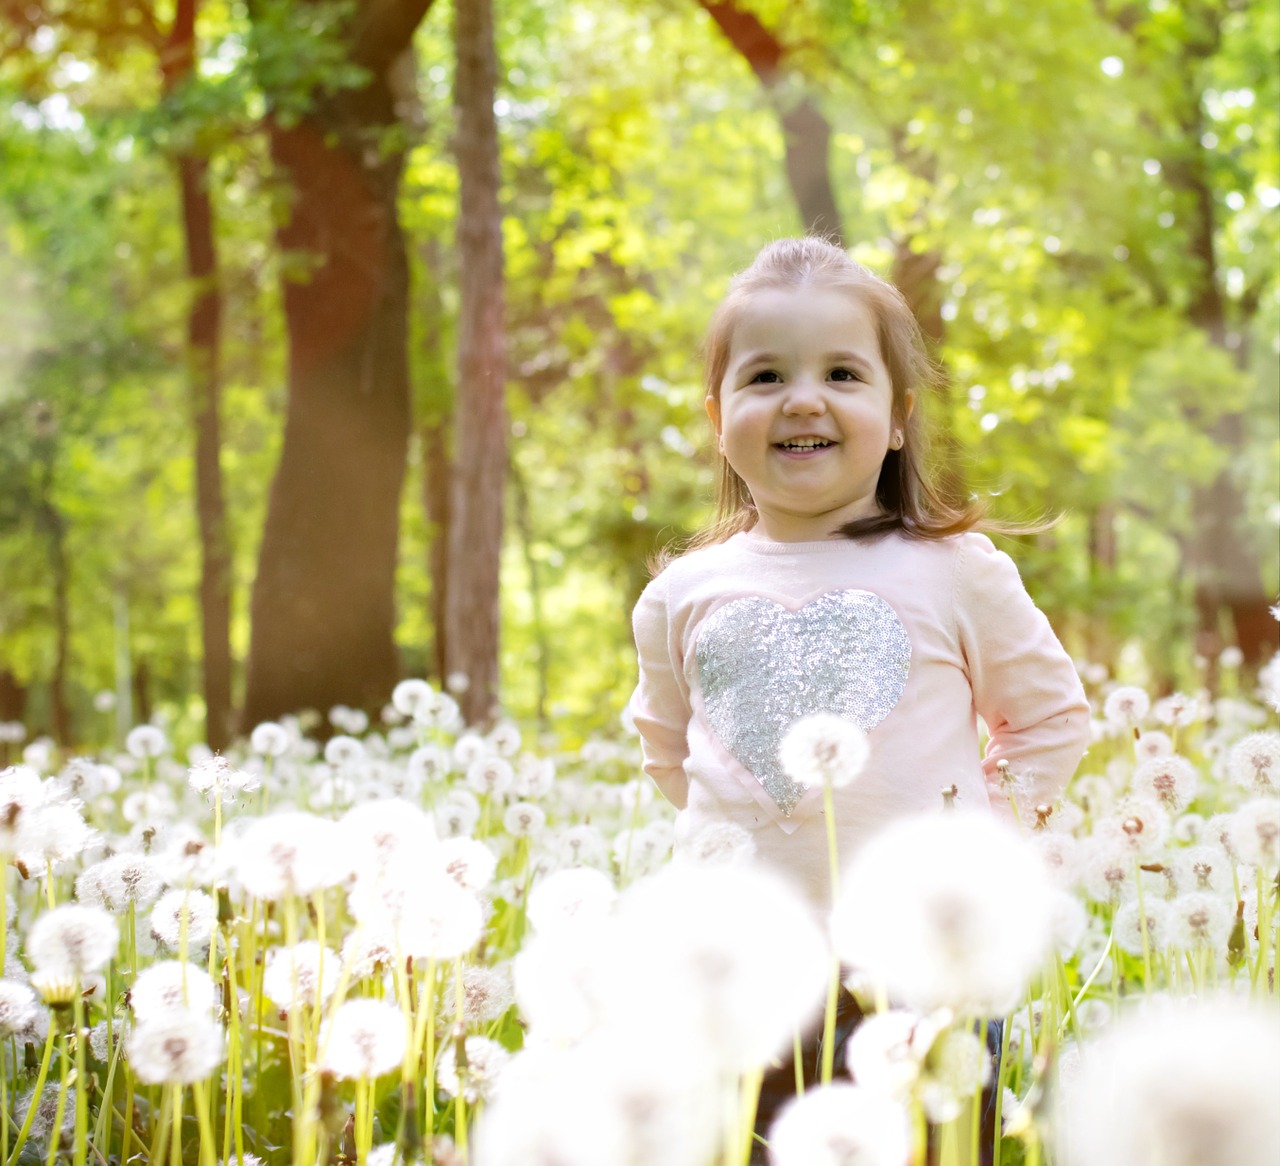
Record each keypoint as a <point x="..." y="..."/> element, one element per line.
<point x="805" y="411"/>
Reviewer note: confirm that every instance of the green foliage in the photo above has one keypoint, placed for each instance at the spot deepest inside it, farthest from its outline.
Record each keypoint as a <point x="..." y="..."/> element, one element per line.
<point x="1041" y="152"/>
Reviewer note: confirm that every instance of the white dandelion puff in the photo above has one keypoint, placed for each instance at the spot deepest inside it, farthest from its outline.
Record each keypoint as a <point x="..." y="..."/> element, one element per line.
<point x="72" y="940"/>
<point x="957" y="1066"/>
<point x="1168" y="779"/>
<point x="169" y="984"/>
<point x="579" y="896"/>
<point x="343" y="751"/>
<point x="215" y="777"/>
<point x="1126" y="706"/>
<point x="823" y="749"/>
<point x="415" y="699"/>
<point x="1131" y="921"/>
<point x="1199" y="919"/>
<point x="487" y="994"/>
<point x="582" y="844"/>
<point x="1153" y="743"/>
<point x="19" y="1007"/>
<point x="946" y="910"/>
<point x="468" y="861"/>
<point x="270" y="740"/>
<point x="304" y="974"/>
<point x="535" y="776"/>
<point x="117" y="881"/>
<point x="485" y="1060"/>
<point x="146" y="742"/>
<point x="1256" y="829"/>
<point x="524" y="819"/>
<point x="175" y="908"/>
<point x="291" y="853"/>
<point x="504" y="738"/>
<point x="176" y="1046"/>
<point x="1182" y="1084"/>
<point x="363" y="1039"/>
<point x="490" y="776"/>
<point x="1254" y="762"/>
<point x="839" y="1125"/>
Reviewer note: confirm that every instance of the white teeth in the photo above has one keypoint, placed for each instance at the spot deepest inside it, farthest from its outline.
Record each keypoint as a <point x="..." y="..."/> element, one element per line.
<point x="805" y="443"/>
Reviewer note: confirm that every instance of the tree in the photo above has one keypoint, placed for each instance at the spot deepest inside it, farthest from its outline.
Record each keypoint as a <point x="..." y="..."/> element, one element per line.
<point x="476" y="510"/>
<point x="323" y="605"/>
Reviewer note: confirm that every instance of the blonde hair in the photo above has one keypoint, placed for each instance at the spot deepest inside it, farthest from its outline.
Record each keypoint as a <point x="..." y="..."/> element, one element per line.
<point x="909" y="499"/>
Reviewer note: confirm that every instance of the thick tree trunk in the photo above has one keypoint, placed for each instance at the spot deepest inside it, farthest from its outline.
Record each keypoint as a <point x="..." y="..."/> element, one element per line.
<point x="323" y="606"/>
<point x="437" y="475"/>
<point x="204" y="387"/>
<point x="481" y="425"/>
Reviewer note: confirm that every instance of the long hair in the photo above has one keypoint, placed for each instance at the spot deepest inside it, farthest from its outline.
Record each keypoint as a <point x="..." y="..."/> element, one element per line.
<point x="908" y="498"/>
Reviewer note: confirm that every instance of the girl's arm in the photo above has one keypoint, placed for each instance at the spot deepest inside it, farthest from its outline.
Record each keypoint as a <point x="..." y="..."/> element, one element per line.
<point x="660" y="704"/>
<point x="1024" y="684"/>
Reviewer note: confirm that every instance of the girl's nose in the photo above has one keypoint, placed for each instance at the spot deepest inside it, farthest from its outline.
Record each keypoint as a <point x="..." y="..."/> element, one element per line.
<point x="804" y="398"/>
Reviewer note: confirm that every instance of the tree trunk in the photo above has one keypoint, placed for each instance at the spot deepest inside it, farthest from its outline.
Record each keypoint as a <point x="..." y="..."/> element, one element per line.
<point x="437" y="473"/>
<point x="323" y="605"/>
<point x="806" y="133"/>
<point x="481" y="425"/>
<point x="204" y="388"/>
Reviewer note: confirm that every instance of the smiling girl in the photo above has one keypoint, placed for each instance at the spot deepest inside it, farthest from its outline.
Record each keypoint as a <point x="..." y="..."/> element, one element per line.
<point x="837" y="580"/>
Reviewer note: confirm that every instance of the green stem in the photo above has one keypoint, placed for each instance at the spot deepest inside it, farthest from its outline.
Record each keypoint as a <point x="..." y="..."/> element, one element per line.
<point x="36" y="1093"/>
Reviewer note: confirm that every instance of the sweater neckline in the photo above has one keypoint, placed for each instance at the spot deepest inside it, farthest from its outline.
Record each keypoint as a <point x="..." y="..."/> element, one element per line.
<point x="764" y="545"/>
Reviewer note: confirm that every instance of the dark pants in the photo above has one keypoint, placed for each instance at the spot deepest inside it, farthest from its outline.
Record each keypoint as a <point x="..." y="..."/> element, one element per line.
<point x="779" y="1084"/>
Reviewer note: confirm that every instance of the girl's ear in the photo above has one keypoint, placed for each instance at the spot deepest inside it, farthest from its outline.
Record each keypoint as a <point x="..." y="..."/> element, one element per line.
<point x="713" y="411"/>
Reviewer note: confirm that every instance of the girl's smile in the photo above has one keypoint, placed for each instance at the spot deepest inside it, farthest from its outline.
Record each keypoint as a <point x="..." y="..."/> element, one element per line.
<point x="804" y="412"/>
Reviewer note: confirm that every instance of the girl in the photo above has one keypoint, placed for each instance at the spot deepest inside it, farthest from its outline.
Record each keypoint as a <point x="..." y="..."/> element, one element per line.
<point x="837" y="580"/>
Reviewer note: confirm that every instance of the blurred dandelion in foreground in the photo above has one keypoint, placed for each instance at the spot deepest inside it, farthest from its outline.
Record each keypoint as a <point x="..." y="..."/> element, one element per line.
<point x="946" y="911"/>
<point x="1254" y="762"/>
<point x="363" y="1039"/>
<point x="72" y="940"/>
<point x="837" y="1125"/>
<point x="1179" y="1083"/>
<point x="176" y="1046"/>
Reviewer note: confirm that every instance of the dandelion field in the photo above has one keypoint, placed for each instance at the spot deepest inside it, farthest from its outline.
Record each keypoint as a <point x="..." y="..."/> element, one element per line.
<point x="414" y="942"/>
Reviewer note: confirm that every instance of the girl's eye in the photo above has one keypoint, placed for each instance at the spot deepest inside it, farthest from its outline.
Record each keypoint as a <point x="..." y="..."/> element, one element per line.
<point x="843" y="374"/>
<point x="766" y="377"/>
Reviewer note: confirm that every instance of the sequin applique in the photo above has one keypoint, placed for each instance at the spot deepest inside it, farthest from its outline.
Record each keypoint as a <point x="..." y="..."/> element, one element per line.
<point x="761" y="667"/>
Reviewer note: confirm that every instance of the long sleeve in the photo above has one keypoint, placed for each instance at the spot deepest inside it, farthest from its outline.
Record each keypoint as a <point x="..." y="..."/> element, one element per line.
<point x="1024" y="684"/>
<point x="660" y="704"/>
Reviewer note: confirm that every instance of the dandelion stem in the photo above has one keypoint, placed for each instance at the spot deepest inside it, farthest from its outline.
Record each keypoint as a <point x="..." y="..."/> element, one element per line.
<point x="36" y="1093"/>
<point x="833" y="986"/>
<point x="55" y="1130"/>
<point x="81" y="1126"/>
<point x="207" y="1155"/>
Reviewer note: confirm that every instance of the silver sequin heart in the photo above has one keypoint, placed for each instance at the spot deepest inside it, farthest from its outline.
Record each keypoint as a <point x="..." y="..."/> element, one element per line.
<point x="762" y="667"/>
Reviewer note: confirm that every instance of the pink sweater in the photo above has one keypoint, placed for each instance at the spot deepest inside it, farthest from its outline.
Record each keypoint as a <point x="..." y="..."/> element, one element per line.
<point x="911" y="639"/>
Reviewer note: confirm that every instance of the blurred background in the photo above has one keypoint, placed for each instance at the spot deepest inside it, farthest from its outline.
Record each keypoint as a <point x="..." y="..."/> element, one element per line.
<point x="341" y="342"/>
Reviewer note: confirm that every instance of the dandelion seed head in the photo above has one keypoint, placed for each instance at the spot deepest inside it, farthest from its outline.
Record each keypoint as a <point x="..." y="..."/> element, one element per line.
<point x="1138" y="825"/>
<point x="457" y="815"/>
<point x="117" y="881"/>
<point x="1126" y="706"/>
<point x="197" y="910"/>
<point x="427" y="764"/>
<point x="52" y="832"/>
<point x="46" y="1111"/>
<point x="535" y="776"/>
<point x="363" y="1039"/>
<point x="577" y="897"/>
<point x="215" y="777"/>
<point x="882" y="1053"/>
<point x="169" y="984"/>
<point x="367" y="950"/>
<point x="1256" y="829"/>
<point x="1188" y="1083"/>
<point x="1131" y="921"/>
<point x="582" y="844"/>
<point x="504" y="738"/>
<point x="524" y="819"/>
<point x="485" y="1061"/>
<point x="72" y="940"/>
<point x="146" y="742"/>
<point x="270" y="739"/>
<point x="446" y="921"/>
<point x="468" y="861"/>
<point x="824" y="749"/>
<point x="291" y="853"/>
<point x="1168" y="779"/>
<point x="1179" y="709"/>
<point x="947" y="910"/>
<point x="487" y="994"/>
<point x="302" y="974"/>
<point x="1202" y="867"/>
<point x="469" y="748"/>
<point x="19" y="1007"/>
<point x="1108" y="869"/>
<point x="344" y="752"/>
<point x="176" y="1046"/>
<point x="839" y="1125"/>
<point x="415" y="699"/>
<point x="490" y="775"/>
<point x="377" y="833"/>
<point x="1254" y="762"/>
<point x="1199" y="919"/>
<point x="1153" y="743"/>
<point x="957" y="1066"/>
